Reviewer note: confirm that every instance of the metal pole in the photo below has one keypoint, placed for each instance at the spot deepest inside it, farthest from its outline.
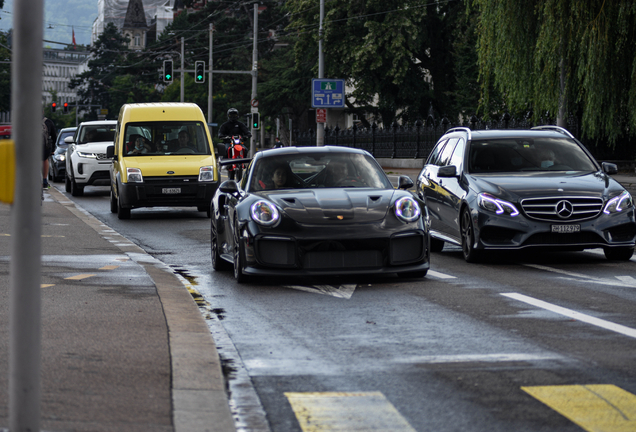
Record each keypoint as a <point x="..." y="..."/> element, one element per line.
<point x="320" y="127"/>
<point x="26" y="241"/>
<point x="182" y="65"/>
<point x="254" y="74"/>
<point x="210" y="76"/>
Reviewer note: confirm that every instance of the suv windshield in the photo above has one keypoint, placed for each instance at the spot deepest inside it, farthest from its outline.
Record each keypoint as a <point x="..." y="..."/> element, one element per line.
<point x="514" y="155"/>
<point x="166" y="138"/>
<point x="96" y="133"/>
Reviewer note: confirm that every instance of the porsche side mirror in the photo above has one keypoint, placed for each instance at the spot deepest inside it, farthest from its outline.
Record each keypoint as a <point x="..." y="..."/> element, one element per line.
<point x="447" y="171"/>
<point x="229" y="187"/>
<point x="405" y="182"/>
<point x="609" y="168"/>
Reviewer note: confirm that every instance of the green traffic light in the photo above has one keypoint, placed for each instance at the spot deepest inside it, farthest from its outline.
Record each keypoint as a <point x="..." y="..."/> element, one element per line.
<point x="168" y="76"/>
<point x="199" y="77"/>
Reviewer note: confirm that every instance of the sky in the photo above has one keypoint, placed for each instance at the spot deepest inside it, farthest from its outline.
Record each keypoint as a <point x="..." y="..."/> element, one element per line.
<point x="61" y="18"/>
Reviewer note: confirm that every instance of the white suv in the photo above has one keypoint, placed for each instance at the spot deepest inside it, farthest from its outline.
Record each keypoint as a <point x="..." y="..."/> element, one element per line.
<point x="86" y="161"/>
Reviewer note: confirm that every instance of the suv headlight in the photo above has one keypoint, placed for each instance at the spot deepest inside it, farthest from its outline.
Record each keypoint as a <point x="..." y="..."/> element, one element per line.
<point x="495" y="205"/>
<point x="264" y="213"/>
<point x="87" y="155"/>
<point x="134" y="175"/>
<point x="206" y="174"/>
<point x="619" y="203"/>
<point x="407" y="209"/>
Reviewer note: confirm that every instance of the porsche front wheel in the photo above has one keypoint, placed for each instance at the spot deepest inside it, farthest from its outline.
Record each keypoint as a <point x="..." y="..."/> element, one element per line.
<point x="238" y="258"/>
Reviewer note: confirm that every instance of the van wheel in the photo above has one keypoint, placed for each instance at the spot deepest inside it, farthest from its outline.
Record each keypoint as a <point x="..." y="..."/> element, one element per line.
<point x="113" y="202"/>
<point x="122" y="213"/>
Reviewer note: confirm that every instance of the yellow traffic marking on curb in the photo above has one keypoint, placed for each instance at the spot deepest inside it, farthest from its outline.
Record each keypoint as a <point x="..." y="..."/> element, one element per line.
<point x="80" y="276"/>
<point x="109" y="267"/>
<point x="346" y="411"/>
<point x="595" y="408"/>
<point x="46" y="285"/>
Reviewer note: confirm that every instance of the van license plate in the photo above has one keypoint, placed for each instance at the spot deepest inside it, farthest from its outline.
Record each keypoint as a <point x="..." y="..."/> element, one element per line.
<point x="566" y="228"/>
<point x="171" y="190"/>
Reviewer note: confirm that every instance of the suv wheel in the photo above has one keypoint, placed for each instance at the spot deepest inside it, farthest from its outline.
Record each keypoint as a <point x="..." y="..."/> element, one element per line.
<point x="67" y="183"/>
<point x="76" y="190"/>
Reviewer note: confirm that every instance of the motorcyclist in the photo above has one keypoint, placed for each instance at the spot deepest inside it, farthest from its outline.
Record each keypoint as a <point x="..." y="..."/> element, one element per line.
<point x="233" y="126"/>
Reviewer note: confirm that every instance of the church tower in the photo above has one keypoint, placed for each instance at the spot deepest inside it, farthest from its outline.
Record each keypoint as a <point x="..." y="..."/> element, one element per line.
<point x="135" y="27"/>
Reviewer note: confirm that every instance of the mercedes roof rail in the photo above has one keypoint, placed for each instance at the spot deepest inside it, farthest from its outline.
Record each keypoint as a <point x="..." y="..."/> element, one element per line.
<point x="460" y="129"/>
<point x="554" y="128"/>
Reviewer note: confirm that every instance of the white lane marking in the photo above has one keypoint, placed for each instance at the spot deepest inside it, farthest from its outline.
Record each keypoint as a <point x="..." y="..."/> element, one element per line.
<point x="440" y="275"/>
<point x="483" y="358"/>
<point x="342" y="291"/>
<point x="627" y="331"/>
<point x="556" y="270"/>
<point x="625" y="281"/>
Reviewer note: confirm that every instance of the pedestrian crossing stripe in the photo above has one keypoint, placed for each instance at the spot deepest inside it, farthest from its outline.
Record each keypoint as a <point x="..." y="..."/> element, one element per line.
<point x="109" y="267"/>
<point x="346" y="411"/>
<point x="594" y="407"/>
<point x="80" y="276"/>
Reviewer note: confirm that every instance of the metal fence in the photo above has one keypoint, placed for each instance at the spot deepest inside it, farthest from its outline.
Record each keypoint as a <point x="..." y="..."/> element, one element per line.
<point x="412" y="141"/>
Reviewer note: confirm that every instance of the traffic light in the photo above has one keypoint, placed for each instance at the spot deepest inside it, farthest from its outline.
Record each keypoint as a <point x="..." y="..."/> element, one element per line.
<point x="53" y="106"/>
<point x="167" y="71"/>
<point x="65" y="107"/>
<point x="256" y="121"/>
<point x="199" y="72"/>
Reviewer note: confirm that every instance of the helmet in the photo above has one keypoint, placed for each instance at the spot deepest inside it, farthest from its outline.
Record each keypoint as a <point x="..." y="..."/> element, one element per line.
<point x="232" y="114"/>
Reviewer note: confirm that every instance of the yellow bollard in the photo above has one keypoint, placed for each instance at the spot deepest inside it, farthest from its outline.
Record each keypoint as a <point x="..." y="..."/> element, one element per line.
<point x="7" y="170"/>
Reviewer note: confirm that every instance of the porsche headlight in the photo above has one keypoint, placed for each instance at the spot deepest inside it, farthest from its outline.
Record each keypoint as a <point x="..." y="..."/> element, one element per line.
<point x="206" y="174"/>
<point x="495" y="205"/>
<point x="134" y="175"/>
<point x="264" y="213"/>
<point x="618" y="203"/>
<point x="407" y="209"/>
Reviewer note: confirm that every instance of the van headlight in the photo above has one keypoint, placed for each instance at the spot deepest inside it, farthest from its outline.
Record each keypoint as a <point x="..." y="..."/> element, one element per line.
<point x="134" y="175"/>
<point x="407" y="209"/>
<point x="206" y="174"/>
<point x="264" y="213"/>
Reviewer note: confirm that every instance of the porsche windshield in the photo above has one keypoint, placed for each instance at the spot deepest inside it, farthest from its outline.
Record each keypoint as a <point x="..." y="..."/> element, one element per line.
<point x="166" y="138"/>
<point x="514" y="155"/>
<point x="308" y="170"/>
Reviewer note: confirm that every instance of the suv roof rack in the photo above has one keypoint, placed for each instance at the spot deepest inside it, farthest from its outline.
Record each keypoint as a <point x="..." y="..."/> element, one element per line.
<point x="554" y="128"/>
<point x="460" y="129"/>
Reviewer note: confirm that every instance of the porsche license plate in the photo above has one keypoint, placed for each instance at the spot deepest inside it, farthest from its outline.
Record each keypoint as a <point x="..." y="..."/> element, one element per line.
<point x="564" y="229"/>
<point x="171" y="190"/>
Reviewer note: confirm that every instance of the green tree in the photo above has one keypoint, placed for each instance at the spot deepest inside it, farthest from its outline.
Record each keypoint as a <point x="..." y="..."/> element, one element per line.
<point x="567" y="55"/>
<point x="5" y="73"/>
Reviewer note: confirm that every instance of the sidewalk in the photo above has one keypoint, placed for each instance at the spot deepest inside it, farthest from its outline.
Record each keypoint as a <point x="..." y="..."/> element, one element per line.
<point x="124" y="346"/>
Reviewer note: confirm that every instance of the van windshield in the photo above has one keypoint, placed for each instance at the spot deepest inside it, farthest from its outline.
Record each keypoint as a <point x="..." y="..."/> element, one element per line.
<point x="166" y="138"/>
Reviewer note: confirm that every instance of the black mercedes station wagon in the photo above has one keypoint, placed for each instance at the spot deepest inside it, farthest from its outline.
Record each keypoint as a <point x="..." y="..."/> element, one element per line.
<point x="517" y="189"/>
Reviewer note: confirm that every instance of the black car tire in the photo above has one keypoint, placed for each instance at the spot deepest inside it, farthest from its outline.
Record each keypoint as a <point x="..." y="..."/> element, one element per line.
<point x="113" y="201"/>
<point x="238" y="258"/>
<point x="218" y="263"/>
<point x="76" y="190"/>
<point x="619" y="253"/>
<point x="204" y="209"/>
<point x="436" y="245"/>
<point x="122" y="213"/>
<point x="468" y="238"/>
<point x="67" y="183"/>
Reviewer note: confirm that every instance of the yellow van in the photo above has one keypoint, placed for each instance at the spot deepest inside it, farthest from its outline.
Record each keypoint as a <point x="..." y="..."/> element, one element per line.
<point x="163" y="156"/>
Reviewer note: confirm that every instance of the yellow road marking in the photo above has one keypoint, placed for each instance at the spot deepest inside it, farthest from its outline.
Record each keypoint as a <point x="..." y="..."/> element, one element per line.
<point x="46" y="285"/>
<point x="109" y="267"/>
<point x="595" y="408"/>
<point x="346" y="411"/>
<point x="80" y="276"/>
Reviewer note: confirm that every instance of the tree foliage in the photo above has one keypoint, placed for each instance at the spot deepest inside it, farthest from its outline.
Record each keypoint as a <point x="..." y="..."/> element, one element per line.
<point x="526" y="48"/>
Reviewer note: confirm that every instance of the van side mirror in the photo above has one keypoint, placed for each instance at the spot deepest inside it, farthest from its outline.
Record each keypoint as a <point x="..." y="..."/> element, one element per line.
<point x="110" y="152"/>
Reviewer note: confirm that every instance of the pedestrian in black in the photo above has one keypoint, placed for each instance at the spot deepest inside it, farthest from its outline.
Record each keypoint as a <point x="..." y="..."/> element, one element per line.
<point x="49" y="136"/>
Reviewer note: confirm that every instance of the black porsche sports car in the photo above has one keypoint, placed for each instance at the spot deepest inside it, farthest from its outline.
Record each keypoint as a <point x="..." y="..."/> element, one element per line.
<point x="518" y="189"/>
<point x="318" y="211"/>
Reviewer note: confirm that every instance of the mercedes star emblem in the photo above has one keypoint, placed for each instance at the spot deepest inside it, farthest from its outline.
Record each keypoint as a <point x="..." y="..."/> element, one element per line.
<point x="564" y="209"/>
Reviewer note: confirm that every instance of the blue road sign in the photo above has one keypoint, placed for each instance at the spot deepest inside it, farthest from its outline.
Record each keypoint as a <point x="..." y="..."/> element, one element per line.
<point x="327" y="93"/>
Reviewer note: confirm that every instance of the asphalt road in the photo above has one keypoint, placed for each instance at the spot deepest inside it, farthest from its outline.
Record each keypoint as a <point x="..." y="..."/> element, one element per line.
<point x="524" y="342"/>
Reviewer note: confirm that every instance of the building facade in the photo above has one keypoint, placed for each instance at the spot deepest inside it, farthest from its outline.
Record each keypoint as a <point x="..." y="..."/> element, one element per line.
<point x="60" y="66"/>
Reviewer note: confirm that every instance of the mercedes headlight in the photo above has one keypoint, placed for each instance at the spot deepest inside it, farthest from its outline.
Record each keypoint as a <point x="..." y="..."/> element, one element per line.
<point x="495" y="205"/>
<point x="619" y="203"/>
<point x="407" y="209"/>
<point x="264" y="213"/>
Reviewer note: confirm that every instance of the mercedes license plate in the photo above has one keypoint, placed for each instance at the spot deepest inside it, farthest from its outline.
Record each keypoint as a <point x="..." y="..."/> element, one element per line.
<point x="566" y="228"/>
<point x="171" y="190"/>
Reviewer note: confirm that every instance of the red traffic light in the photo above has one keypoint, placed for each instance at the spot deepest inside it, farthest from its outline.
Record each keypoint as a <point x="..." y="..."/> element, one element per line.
<point x="65" y="107"/>
<point x="53" y="106"/>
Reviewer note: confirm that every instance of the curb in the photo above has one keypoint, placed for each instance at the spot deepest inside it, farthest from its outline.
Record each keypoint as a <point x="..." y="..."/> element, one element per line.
<point x="199" y="398"/>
